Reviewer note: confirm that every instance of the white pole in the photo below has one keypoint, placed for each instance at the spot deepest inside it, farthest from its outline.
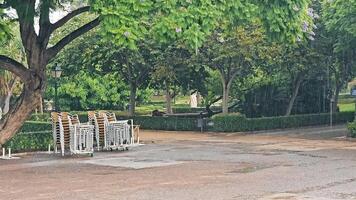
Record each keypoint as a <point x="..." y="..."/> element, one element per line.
<point x="3" y="152"/>
<point x="138" y="140"/>
<point x="49" y="148"/>
<point x="9" y="152"/>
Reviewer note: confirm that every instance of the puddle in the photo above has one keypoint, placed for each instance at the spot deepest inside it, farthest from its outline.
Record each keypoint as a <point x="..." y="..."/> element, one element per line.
<point x="133" y="163"/>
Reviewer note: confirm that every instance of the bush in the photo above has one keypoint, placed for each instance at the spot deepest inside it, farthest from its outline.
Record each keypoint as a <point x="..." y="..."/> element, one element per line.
<point x="237" y="123"/>
<point x="352" y="129"/>
<point x="33" y="136"/>
<point x="165" y="123"/>
<point x="35" y="126"/>
<point x="35" y="141"/>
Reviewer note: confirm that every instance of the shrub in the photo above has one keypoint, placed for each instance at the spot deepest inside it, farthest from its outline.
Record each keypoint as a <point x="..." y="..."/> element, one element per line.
<point x="33" y="136"/>
<point x="352" y="129"/>
<point x="165" y="123"/>
<point x="237" y="123"/>
<point x="35" y="126"/>
<point x="34" y="141"/>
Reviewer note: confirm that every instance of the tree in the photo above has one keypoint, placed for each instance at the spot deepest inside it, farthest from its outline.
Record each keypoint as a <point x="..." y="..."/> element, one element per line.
<point x="235" y="54"/>
<point x="174" y="72"/>
<point x="127" y="22"/>
<point x="133" y="65"/>
<point x="298" y="64"/>
<point x="38" y="55"/>
<point x="338" y="41"/>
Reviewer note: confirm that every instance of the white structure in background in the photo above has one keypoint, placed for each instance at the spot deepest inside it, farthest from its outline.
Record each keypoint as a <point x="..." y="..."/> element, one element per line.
<point x="194" y="100"/>
<point x="0" y="113"/>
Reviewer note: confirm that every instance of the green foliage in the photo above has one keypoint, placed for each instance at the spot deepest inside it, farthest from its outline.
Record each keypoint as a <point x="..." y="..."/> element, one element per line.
<point x="173" y="67"/>
<point x="30" y="141"/>
<point x="165" y="123"/>
<point x="238" y="123"/>
<point x="33" y="136"/>
<point x="96" y="74"/>
<point x="127" y="22"/>
<point x="340" y="16"/>
<point x="352" y="129"/>
<point x="35" y="126"/>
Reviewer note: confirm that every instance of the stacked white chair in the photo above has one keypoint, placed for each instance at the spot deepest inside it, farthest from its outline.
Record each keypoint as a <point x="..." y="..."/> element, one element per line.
<point x="111" y="133"/>
<point x="71" y="135"/>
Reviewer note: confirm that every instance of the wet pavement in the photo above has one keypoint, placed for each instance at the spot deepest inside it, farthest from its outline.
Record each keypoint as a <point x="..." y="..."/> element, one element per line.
<point x="308" y="163"/>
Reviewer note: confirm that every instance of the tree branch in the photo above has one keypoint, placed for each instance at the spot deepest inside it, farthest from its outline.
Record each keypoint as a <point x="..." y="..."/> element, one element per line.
<point x="53" y="51"/>
<point x="15" y="67"/>
<point x="68" y="17"/>
<point x="45" y="24"/>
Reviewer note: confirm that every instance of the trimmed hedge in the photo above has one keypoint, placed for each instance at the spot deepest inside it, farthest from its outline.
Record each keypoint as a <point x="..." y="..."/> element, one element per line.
<point x="238" y="123"/>
<point x="36" y="135"/>
<point x="33" y="136"/>
<point x="165" y="123"/>
<point x="35" y="126"/>
<point x="192" y="110"/>
<point x="35" y="141"/>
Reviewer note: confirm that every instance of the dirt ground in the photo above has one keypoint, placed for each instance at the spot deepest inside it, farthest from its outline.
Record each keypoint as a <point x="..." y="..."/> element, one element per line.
<point x="308" y="163"/>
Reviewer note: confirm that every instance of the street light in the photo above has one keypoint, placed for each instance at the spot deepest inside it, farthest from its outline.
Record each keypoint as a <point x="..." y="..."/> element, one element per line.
<point x="56" y="74"/>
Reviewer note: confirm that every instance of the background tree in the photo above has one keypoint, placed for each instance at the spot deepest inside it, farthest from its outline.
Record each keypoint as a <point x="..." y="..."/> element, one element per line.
<point x="134" y="66"/>
<point x="299" y="64"/>
<point x="337" y="43"/>
<point x="234" y="54"/>
<point x="175" y="73"/>
<point x="127" y="22"/>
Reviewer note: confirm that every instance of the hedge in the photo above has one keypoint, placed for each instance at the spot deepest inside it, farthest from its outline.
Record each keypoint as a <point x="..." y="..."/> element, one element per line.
<point x="33" y="136"/>
<point x="238" y="123"/>
<point x="35" y="126"/>
<point x="35" y="141"/>
<point x="165" y="123"/>
<point x="36" y="135"/>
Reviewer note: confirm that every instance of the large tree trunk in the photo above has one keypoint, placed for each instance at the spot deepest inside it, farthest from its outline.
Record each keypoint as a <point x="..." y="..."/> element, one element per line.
<point x="133" y="90"/>
<point x="294" y="96"/>
<point x="34" y="80"/>
<point x="168" y="100"/>
<point x="18" y="114"/>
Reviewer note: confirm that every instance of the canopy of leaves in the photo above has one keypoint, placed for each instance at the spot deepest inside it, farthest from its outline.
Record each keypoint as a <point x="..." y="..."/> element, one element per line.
<point x="127" y="21"/>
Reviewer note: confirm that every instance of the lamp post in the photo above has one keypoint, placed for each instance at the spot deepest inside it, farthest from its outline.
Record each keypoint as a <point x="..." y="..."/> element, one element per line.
<point x="56" y="74"/>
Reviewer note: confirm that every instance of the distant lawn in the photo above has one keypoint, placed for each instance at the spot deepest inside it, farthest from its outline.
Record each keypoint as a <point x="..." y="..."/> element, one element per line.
<point x="347" y="107"/>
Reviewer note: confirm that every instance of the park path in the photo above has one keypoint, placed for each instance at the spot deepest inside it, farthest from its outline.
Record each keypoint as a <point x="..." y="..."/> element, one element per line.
<point x="309" y="163"/>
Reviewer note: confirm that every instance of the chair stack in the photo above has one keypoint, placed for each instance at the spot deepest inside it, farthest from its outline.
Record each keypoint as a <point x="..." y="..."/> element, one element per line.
<point x="71" y="135"/>
<point x="111" y="133"/>
<point x="57" y="130"/>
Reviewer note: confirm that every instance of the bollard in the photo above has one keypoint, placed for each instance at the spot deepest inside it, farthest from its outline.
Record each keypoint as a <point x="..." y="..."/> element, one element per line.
<point x="3" y="152"/>
<point x="49" y="148"/>
<point x="9" y="152"/>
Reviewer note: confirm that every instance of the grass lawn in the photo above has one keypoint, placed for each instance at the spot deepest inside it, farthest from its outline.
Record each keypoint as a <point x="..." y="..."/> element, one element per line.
<point x="347" y="107"/>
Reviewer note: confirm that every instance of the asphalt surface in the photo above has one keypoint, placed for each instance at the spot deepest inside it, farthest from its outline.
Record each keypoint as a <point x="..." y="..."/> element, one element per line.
<point x="308" y="163"/>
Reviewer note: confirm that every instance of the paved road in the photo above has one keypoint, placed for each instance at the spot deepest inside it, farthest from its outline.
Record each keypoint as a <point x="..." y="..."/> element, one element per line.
<point x="308" y="163"/>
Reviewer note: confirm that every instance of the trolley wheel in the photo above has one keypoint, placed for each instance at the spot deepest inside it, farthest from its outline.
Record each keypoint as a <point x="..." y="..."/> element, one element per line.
<point x="92" y="155"/>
